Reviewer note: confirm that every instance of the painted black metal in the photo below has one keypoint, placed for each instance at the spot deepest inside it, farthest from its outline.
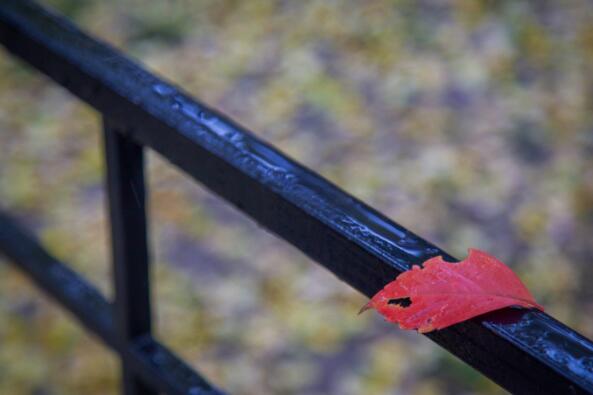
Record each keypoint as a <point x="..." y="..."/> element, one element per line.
<point x="523" y="351"/>
<point x="147" y="358"/>
<point x="84" y="301"/>
<point x="125" y="187"/>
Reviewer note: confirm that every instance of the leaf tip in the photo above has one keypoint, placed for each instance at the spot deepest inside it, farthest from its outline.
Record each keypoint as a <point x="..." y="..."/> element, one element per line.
<point x="366" y="307"/>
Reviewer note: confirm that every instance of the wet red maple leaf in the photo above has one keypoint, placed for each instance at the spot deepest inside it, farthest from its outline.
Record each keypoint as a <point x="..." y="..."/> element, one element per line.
<point x="442" y="293"/>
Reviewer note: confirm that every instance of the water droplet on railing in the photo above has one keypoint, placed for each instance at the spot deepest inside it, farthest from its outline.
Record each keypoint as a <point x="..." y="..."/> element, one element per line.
<point x="190" y="110"/>
<point x="163" y="89"/>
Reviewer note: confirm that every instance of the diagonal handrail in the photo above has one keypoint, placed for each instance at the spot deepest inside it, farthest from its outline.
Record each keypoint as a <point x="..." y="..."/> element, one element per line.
<point x="150" y="360"/>
<point x="528" y="352"/>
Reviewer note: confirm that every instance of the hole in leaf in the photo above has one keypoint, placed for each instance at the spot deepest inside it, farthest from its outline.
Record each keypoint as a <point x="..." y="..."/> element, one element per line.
<point x="403" y="302"/>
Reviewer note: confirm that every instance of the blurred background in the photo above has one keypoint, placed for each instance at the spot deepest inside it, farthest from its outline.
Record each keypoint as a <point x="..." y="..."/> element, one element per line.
<point x="469" y="122"/>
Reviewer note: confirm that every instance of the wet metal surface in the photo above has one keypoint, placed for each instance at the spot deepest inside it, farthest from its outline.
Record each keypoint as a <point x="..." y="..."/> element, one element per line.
<point x="533" y="353"/>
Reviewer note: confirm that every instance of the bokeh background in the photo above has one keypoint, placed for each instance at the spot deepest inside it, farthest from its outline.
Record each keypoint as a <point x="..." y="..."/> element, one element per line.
<point x="469" y="122"/>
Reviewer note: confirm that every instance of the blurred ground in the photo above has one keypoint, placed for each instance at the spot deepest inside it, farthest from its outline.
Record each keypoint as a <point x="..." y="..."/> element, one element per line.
<point x="468" y="122"/>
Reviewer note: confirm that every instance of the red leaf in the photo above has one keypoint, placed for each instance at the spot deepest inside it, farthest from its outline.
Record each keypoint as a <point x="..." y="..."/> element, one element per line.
<point x="442" y="293"/>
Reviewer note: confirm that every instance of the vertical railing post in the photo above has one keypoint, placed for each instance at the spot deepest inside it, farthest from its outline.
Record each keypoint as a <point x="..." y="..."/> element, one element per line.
<point x="126" y="196"/>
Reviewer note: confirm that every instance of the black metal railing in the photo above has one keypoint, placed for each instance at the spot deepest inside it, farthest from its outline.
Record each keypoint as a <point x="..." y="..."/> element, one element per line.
<point x="524" y="351"/>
